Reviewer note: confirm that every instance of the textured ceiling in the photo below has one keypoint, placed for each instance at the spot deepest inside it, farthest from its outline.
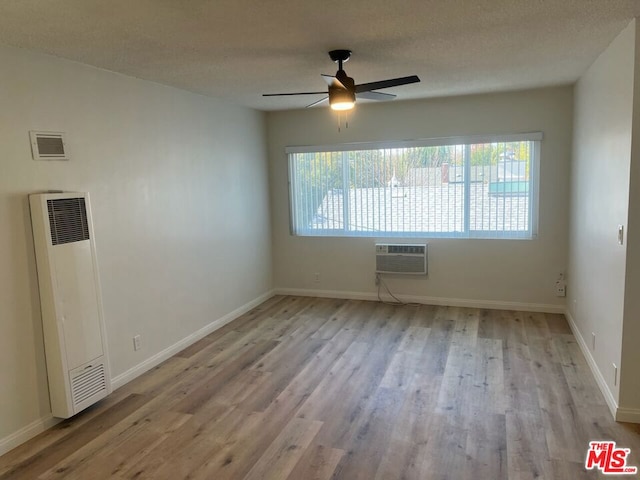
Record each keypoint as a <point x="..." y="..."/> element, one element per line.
<point x="239" y="49"/>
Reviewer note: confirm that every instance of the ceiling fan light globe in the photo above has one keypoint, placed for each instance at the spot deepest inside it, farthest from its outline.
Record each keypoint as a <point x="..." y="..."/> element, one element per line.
<point x="341" y="106"/>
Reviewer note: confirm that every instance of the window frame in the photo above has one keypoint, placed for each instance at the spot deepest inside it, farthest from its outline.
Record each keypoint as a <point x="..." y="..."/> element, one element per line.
<point x="534" y="191"/>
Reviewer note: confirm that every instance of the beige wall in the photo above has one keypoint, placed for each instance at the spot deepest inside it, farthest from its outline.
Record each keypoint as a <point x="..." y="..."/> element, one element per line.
<point x="180" y="202"/>
<point x="488" y="272"/>
<point x="600" y="200"/>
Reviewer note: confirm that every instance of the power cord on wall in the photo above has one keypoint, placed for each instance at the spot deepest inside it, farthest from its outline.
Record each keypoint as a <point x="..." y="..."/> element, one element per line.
<point x="380" y="282"/>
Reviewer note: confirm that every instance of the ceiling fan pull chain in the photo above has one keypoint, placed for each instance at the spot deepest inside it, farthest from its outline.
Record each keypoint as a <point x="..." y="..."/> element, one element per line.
<point x="346" y="120"/>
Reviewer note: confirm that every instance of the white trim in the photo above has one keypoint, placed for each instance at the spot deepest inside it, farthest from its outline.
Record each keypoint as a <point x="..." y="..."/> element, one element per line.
<point x="534" y="195"/>
<point x="298" y="200"/>
<point x="27" y="433"/>
<point x="425" y="142"/>
<point x="471" y="235"/>
<point x="450" y="302"/>
<point x="124" y="378"/>
<point x="604" y="388"/>
<point x="631" y="415"/>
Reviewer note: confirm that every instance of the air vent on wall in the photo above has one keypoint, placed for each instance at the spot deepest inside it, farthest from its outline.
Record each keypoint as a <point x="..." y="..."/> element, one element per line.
<point x="88" y="382"/>
<point x="68" y="220"/>
<point x="48" y="146"/>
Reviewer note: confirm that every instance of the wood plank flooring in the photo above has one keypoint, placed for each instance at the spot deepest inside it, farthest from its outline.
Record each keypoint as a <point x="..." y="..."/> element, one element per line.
<point x="303" y="388"/>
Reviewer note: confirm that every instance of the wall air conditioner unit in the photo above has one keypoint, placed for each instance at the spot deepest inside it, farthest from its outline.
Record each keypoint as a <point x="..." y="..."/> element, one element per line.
<point x="74" y="334"/>
<point x="408" y="259"/>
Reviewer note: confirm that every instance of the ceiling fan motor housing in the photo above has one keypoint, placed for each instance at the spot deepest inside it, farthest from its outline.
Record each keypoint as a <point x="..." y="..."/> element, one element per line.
<point x="347" y="81"/>
<point x="341" y="95"/>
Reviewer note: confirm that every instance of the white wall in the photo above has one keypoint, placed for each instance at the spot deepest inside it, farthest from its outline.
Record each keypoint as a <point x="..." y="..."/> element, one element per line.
<point x="178" y="184"/>
<point x="488" y="272"/>
<point x="629" y="378"/>
<point x="600" y="199"/>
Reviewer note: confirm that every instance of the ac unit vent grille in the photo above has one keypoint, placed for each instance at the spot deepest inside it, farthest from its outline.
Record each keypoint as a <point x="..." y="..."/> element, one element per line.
<point x="68" y="220"/>
<point x="88" y="383"/>
<point x="415" y="249"/>
<point x="399" y="264"/>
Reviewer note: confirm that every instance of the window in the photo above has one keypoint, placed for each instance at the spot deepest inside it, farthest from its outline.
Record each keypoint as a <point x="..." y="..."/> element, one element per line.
<point x="453" y="187"/>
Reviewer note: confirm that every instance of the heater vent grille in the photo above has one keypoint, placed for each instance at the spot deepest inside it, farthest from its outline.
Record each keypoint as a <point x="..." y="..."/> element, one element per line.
<point x="68" y="220"/>
<point x="88" y="383"/>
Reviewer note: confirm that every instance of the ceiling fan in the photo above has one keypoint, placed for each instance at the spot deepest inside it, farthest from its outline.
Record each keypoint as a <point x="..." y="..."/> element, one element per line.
<point x="343" y="91"/>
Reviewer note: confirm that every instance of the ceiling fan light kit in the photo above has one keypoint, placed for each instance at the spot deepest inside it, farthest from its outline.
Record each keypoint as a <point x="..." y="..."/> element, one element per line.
<point x="343" y="92"/>
<point x="341" y="99"/>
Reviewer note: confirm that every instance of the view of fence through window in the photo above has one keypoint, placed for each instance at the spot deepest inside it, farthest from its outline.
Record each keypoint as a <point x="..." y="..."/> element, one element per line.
<point x="466" y="190"/>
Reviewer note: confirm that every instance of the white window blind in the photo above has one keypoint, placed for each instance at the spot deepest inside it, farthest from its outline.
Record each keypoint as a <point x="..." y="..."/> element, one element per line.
<point x="483" y="187"/>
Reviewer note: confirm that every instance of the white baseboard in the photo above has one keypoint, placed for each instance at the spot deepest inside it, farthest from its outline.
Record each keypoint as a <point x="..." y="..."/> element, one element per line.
<point x="158" y="358"/>
<point x="604" y="388"/>
<point x="27" y="433"/>
<point x="631" y="415"/>
<point x="451" y="302"/>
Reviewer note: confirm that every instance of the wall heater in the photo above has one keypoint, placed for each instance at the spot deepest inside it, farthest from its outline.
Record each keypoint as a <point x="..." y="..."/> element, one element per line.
<point x="73" y="326"/>
<point x="401" y="258"/>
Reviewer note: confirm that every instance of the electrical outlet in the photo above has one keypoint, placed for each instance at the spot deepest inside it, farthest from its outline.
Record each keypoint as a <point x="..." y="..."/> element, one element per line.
<point x="593" y="341"/>
<point x="561" y="289"/>
<point x="316" y="277"/>
<point x="615" y="374"/>
<point x="137" y="342"/>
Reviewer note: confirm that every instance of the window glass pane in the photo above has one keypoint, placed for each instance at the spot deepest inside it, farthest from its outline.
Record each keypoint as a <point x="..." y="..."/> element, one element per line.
<point x="317" y="195"/>
<point x="465" y="190"/>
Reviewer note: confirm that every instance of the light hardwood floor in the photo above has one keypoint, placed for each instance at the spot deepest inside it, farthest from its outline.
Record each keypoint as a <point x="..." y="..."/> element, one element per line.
<point x="303" y="388"/>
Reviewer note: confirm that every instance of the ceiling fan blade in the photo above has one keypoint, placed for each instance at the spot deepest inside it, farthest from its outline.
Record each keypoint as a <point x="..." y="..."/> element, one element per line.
<point x="333" y="81"/>
<point x="289" y="94"/>
<point x="322" y="100"/>
<point x="392" y="82"/>
<point x="375" y="96"/>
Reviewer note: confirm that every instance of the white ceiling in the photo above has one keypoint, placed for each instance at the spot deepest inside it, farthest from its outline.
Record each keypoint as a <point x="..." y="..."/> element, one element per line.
<point x="239" y="49"/>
